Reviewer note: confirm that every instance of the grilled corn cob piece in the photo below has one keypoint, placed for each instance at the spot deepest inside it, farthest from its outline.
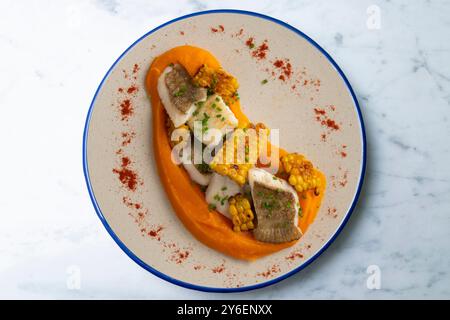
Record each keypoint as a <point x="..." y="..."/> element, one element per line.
<point x="302" y="175"/>
<point x="239" y="153"/>
<point x="218" y="81"/>
<point x="241" y="213"/>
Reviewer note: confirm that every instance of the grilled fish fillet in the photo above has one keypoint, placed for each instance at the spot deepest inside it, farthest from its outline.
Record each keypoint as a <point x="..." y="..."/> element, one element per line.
<point x="276" y="206"/>
<point x="212" y="114"/>
<point x="178" y="94"/>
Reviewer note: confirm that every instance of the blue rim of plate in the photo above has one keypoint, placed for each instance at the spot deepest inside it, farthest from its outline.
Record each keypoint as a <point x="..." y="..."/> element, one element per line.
<point x="259" y="285"/>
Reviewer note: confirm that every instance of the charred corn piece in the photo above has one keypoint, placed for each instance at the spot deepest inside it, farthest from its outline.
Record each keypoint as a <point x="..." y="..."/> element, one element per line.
<point x="218" y="81"/>
<point x="301" y="173"/>
<point x="239" y="154"/>
<point x="241" y="213"/>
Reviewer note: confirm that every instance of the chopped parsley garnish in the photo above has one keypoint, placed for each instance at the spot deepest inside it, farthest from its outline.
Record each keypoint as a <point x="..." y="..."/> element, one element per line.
<point x="197" y="110"/>
<point x="211" y="207"/>
<point x="264" y="81"/>
<point x="181" y="91"/>
<point x="205" y="122"/>
<point x="214" y="81"/>
<point x="267" y="205"/>
<point x="300" y="212"/>
<point x="220" y="199"/>
<point x="203" y="168"/>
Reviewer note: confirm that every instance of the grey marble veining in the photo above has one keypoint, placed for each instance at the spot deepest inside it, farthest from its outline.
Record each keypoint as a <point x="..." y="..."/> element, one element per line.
<point x="53" y="57"/>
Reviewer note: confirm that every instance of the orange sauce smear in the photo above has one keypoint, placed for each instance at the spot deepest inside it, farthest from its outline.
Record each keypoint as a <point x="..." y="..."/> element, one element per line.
<point x="188" y="201"/>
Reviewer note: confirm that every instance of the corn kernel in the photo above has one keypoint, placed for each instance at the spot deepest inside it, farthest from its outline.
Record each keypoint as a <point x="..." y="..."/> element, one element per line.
<point x="218" y="81"/>
<point x="249" y="214"/>
<point x="292" y="180"/>
<point x="241" y="213"/>
<point x="233" y="210"/>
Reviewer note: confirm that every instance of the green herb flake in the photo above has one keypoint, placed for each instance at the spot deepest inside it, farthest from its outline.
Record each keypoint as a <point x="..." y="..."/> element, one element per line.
<point x="264" y="81"/>
<point x="222" y="201"/>
<point x="181" y="91"/>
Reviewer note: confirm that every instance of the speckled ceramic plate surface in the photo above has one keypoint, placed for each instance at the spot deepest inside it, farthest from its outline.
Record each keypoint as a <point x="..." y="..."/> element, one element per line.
<point x="310" y="101"/>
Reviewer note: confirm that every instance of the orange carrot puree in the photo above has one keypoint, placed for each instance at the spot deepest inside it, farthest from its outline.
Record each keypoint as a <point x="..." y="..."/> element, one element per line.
<point x="188" y="201"/>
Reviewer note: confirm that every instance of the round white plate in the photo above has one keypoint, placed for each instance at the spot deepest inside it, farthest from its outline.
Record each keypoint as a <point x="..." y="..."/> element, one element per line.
<point x="142" y="221"/>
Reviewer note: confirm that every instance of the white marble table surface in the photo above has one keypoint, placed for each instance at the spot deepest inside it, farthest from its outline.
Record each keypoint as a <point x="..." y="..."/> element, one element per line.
<point x="53" y="56"/>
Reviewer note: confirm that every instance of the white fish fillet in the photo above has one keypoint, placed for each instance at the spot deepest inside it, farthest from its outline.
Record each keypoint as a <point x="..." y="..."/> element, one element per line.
<point x="212" y="114"/>
<point x="279" y="187"/>
<point x="219" y="190"/>
<point x="178" y="117"/>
